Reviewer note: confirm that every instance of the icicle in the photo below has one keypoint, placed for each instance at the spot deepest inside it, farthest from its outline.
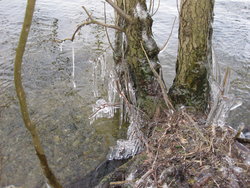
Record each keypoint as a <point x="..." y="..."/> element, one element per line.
<point x="73" y="66"/>
<point x="101" y="61"/>
<point x="61" y="46"/>
<point x="95" y="77"/>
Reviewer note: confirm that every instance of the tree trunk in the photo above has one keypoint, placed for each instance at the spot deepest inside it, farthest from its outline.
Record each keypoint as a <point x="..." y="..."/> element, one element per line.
<point x="191" y="86"/>
<point x="132" y="65"/>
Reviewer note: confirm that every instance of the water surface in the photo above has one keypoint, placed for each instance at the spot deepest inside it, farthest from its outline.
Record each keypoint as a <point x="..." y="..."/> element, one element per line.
<point x="60" y="110"/>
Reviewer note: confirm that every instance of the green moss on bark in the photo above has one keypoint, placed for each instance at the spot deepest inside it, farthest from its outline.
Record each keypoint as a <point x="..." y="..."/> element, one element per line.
<point x="191" y="86"/>
<point x="136" y="68"/>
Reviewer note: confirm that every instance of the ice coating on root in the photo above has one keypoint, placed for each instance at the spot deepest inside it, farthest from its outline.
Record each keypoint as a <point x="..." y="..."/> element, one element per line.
<point x="103" y="109"/>
<point x="222" y="101"/>
<point x="223" y="104"/>
<point x="130" y="147"/>
<point x="134" y="142"/>
<point x="99" y="72"/>
<point x="106" y="108"/>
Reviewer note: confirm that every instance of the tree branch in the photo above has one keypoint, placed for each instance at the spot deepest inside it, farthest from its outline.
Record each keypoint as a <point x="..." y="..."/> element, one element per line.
<point x="161" y="83"/>
<point x="52" y="180"/>
<point x="165" y="45"/>
<point x="119" y="11"/>
<point x="158" y="6"/>
<point x="106" y="30"/>
<point x="91" y="20"/>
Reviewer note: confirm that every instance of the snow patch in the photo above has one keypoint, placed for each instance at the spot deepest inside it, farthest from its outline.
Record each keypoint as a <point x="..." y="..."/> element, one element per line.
<point x="140" y="12"/>
<point x="149" y="41"/>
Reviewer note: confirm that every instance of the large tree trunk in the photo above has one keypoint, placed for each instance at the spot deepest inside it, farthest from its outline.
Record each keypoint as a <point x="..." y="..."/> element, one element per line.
<point x="131" y="63"/>
<point x="191" y="86"/>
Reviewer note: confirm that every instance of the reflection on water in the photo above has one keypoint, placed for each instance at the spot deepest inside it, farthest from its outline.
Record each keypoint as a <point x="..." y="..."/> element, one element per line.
<point x="61" y="112"/>
<point x="231" y="43"/>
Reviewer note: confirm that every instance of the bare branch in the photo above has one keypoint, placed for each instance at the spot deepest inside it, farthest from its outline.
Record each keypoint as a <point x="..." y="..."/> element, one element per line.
<point x="121" y="183"/>
<point x="153" y="6"/>
<point x="106" y="30"/>
<point x="178" y="9"/>
<point x="159" y="79"/>
<point x="165" y="45"/>
<point x="91" y="20"/>
<point x="119" y="11"/>
<point x="89" y="15"/>
<point x="52" y="180"/>
<point x="150" y="6"/>
<point x="159" y="3"/>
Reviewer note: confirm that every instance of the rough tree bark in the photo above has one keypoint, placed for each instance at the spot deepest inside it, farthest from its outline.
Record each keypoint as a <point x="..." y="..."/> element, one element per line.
<point x="131" y="63"/>
<point x="191" y="86"/>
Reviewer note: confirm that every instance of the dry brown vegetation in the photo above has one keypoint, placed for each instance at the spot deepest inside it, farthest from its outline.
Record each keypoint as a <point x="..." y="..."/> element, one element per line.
<point x="183" y="152"/>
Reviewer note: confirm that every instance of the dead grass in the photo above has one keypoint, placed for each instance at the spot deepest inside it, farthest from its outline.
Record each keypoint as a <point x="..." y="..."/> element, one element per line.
<point x="183" y="152"/>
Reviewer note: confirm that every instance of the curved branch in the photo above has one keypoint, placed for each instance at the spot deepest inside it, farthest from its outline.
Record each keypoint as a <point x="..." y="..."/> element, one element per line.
<point x="150" y="6"/>
<point x="22" y="97"/>
<point x="106" y="30"/>
<point x="91" y="20"/>
<point x="120" y="11"/>
<point x="158" y="6"/>
<point x="166" y="43"/>
<point x="159" y="79"/>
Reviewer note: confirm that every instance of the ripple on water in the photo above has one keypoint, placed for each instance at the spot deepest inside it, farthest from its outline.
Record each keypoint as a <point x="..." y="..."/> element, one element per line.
<point x="60" y="112"/>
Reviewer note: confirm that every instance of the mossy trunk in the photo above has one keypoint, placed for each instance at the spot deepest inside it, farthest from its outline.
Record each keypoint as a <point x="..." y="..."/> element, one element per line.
<point x="131" y="63"/>
<point x="191" y="86"/>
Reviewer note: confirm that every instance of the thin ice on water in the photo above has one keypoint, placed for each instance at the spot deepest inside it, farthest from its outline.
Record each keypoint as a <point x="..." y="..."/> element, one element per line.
<point x="222" y="101"/>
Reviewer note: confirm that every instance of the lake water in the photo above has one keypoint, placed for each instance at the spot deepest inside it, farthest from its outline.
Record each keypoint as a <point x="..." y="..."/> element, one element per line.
<point x="60" y="101"/>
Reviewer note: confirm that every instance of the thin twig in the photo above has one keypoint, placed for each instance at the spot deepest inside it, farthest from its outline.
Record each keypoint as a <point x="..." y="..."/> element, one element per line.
<point x="159" y="2"/>
<point x="120" y="11"/>
<point x="243" y="140"/>
<point x="240" y="139"/>
<point x="214" y="112"/>
<point x="106" y="29"/>
<point x="121" y="93"/>
<point x="150" y="6"/>
<point x="90" y="20"/>
<point x="165" y="45"/>
<point x="120" y="182"/>
<point x="226" y="81"/>
<point x="103" y="106"/>
<point x="153" y="6"/>
<point x="178" y="9"/>
<point x="159" y="79"/>
<point x="143" y="178"/>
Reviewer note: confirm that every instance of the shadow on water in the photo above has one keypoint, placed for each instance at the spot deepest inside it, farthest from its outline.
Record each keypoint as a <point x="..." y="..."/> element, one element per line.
<point x="94" y="177"/>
